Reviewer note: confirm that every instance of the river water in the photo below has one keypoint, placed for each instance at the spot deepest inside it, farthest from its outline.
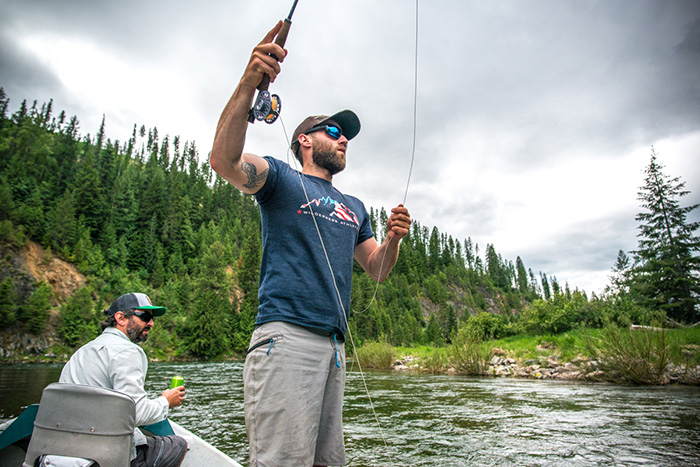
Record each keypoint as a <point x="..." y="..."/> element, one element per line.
<point x="431" y="420"/>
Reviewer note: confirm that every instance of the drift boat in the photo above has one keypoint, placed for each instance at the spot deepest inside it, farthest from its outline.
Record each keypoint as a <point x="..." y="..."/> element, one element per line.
<point x="82" y="421"/>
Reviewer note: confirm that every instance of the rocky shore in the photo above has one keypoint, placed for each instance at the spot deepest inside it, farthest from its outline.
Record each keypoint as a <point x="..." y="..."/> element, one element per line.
<point x="579" y="369"/>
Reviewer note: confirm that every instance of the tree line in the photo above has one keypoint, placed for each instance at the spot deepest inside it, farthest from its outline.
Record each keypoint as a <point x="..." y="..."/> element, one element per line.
<point x="146" y="215"/>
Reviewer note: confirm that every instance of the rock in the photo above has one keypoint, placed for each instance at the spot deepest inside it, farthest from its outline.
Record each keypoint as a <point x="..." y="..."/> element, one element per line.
<point x="399" y="366"/>
<point x="503" y="371"/>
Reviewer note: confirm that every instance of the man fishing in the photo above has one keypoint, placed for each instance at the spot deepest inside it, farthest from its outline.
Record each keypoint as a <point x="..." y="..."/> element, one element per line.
<point x="294" y="374"/>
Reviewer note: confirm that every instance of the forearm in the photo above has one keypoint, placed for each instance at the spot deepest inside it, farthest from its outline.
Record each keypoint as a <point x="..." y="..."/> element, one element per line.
<point x="229" y="139"/>
<point x="150" y="411"/>
<point x="378" y="260"/>
<point x="383" y="259"/>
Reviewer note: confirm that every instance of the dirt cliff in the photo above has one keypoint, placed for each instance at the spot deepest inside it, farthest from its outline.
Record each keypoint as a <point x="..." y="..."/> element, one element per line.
<point x="27" y="266"/>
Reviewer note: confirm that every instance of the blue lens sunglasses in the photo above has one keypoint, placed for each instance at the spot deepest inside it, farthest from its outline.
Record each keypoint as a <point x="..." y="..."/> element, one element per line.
<point x="331" y="130"/>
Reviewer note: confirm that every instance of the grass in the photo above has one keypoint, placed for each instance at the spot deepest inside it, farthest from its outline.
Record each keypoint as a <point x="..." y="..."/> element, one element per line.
<point x="376" y="355"/>
<point x="639" y="357"/>
<point x="625" y="356"/>
<point x="565" y="346"/>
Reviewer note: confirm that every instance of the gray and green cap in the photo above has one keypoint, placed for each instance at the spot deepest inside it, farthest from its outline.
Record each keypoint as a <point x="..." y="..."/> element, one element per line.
<point x="134" y="301"/>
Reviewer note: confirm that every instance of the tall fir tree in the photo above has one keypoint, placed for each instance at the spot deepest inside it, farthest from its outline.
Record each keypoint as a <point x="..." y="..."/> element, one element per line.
<point x="666" y="273"/>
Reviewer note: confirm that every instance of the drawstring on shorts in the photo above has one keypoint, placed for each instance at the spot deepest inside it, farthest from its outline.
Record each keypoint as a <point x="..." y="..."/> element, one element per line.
<point x="335" y="339"/>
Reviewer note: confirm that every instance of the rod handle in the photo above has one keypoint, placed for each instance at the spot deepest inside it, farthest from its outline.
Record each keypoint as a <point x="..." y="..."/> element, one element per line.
<point x="280" y="40"/>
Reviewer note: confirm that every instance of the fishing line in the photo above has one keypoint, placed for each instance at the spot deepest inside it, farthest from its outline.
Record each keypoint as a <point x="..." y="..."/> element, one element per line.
<point x="413" y="156"/>
<point x="388" y="240"/>
<point x="335" y="285"/>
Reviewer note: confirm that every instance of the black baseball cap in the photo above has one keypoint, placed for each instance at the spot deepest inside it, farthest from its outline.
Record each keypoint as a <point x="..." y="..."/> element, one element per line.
<point x="347" y="119"/>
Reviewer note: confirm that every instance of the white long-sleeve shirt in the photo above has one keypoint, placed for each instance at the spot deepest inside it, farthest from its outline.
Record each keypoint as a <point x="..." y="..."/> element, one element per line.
<point x="112" y="361"/>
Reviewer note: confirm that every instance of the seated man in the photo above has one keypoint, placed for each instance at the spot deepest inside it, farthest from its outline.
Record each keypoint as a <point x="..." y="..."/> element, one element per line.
<point x="113" y="360"/>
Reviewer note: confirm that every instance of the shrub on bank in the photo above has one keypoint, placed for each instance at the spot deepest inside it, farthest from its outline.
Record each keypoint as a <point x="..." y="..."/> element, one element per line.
<point x="637" y="357"/>
<point x="469" y="353"/>
<point x="376" y="355"/>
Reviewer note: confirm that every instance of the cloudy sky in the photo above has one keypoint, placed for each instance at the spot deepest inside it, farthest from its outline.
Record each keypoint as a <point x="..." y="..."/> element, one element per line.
<point x="534" y="118"/>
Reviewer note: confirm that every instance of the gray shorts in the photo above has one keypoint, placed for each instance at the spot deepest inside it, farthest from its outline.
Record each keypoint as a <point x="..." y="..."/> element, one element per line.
<point x="161" y="451"/>
<point x="294" y="381"/>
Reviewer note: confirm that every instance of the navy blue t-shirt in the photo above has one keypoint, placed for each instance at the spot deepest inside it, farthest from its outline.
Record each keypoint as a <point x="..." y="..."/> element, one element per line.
<point x="296" y="285"/>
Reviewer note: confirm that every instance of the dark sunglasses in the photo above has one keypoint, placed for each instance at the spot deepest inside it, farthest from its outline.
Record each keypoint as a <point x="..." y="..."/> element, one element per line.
<point x="144" y="316"/>
<point x="331" y="130"/>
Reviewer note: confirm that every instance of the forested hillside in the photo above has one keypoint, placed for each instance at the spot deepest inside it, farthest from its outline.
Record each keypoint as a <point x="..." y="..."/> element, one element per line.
<point x="147" y="214"/>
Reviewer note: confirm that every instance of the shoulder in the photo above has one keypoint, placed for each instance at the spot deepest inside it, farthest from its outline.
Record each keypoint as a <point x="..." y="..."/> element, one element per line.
<point x="118" y="342"/>
<point x="278" y="173"/>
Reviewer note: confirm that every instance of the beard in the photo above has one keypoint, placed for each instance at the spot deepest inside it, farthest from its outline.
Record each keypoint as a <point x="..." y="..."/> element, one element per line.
<point x="325" y="156"/>
<point x="135" y="333"/>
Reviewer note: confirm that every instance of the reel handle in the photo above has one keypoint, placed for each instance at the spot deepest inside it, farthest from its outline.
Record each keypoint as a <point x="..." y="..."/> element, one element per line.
<point x="280" y="40"/>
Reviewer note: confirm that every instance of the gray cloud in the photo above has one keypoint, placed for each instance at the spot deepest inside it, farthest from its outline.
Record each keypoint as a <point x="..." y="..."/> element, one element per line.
<point x="511" y="95"/>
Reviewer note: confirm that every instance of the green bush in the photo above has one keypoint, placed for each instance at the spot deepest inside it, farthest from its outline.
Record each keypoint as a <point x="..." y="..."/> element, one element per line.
<point x="623" y="311"/>
<point x="11" y="234"/>
<point x="36" y="312"/>
<point x="469" y="354"/>
<point x="77" y="321"/>
<point x="484" y="326"/>
<point x="376" y="355"/>
<point x="625" y="356"/>
<point x="556" y="315"/>
<point x="436" y="362"/>
<point x="8" y="302"/>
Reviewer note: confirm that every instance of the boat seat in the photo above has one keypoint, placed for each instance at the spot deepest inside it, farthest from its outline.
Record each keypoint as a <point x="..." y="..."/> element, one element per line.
<point x="85" y="422"/>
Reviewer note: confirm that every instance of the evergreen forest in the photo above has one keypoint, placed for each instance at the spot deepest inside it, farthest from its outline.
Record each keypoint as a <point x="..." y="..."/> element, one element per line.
<point x="146" y="214"/>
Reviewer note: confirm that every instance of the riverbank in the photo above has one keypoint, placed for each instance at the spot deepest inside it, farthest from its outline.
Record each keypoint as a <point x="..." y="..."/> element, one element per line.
<point x="646" y="356"/>
<point x="579" y="369"/>
<point x="562" y="357"/>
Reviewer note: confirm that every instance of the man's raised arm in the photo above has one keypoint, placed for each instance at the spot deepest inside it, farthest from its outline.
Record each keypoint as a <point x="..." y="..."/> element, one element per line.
<point x="246" y="172"/>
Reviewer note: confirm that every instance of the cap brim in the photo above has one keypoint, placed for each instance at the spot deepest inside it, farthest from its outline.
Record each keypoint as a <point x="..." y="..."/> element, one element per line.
<point x="348" y="121"/>
<point x="155" y="310"/>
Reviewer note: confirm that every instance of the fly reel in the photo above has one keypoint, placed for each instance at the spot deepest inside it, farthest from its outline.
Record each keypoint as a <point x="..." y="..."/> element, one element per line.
<point x="266" y="108"/>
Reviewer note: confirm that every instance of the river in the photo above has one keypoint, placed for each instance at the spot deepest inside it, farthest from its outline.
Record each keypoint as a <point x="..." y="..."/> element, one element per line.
<point x="441" y="420"/>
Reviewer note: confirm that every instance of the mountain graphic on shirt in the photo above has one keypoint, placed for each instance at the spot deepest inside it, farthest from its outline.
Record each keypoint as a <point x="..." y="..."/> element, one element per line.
<point x="338" y="210"/>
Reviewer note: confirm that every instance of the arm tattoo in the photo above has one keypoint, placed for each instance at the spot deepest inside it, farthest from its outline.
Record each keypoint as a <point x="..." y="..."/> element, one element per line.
<point x="253" y="178"/>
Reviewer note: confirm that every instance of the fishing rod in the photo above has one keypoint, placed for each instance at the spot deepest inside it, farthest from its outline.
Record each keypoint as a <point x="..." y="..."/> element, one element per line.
<point x="267" y="106"/>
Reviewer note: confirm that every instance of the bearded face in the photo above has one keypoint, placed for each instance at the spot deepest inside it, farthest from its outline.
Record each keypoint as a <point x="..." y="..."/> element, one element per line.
<point x="326" y="156"/>
<point x="137" y="330"/>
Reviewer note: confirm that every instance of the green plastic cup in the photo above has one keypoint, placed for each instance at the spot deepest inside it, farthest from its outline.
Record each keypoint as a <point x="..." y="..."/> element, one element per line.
<point x="176" y="382"/>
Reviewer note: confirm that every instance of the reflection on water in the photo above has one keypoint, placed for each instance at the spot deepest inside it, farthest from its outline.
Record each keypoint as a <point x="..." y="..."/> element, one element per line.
<point x="442" y="420"/>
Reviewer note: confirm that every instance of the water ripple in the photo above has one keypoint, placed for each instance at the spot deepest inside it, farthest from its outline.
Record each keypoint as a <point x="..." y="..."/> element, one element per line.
<point x="446" y="421"/>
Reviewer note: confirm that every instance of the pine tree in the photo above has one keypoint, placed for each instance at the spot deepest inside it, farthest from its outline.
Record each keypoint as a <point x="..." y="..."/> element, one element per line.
<point x="36" y="311"/>
<point x="522" y="276"/>
<point x="77" y="320"/>
<point x="8" y="302"/>
<point x="666" y="273"/>
<point x="546" y="291"/>
<point x="620" y="275"/>
<point x="208" y="327"/>
<point x="4" y="103"/>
